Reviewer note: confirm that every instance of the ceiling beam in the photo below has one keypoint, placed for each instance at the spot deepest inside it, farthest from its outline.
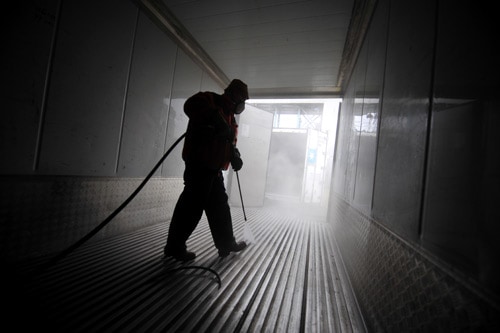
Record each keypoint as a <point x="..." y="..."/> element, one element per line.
<point x="295" y="92"/>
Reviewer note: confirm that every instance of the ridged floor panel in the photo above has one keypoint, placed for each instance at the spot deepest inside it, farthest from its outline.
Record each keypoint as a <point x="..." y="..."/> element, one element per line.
<point x="289" y="280"/>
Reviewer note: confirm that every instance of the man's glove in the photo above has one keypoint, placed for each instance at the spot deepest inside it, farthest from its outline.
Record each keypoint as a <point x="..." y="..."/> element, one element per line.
<point x="236" y="161"/>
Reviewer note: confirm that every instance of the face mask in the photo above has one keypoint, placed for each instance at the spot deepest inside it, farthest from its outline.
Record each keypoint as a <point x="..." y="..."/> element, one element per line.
<point x="239" y="108"/>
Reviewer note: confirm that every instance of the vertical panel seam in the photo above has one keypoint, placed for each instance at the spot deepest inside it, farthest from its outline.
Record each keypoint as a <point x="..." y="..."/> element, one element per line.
<point x="367" y="41"/>
<point x="48" y="76"/>
<point x="429" y="124"/>
<point x="381" y="106"/>
<point x="170" y="103"/>
<point x="125" y="99"/>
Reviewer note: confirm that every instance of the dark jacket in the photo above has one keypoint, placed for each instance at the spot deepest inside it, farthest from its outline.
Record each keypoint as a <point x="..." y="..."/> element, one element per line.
<point x="211" y="133"/>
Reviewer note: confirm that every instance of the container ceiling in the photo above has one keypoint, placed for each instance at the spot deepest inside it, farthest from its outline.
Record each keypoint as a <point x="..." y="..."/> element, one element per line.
<point x="292" y="48"/>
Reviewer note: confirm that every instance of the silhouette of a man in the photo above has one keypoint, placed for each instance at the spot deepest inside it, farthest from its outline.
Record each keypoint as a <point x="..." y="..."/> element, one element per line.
<point x="209" y="148"/>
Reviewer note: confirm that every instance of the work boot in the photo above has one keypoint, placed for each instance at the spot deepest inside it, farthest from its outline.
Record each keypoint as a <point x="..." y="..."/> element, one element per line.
<point x="235" y="247"/>
<point x="179" y="254"/>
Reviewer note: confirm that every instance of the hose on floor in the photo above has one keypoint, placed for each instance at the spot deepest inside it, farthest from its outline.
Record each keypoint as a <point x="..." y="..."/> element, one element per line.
<point x="92" y="233"/>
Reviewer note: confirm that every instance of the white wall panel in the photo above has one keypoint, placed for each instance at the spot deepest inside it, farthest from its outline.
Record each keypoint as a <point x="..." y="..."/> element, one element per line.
<point x="26" y="45"/>
<point x="374" y="50"/>
<point x="86" y="97"/>
<point x="148" y="100"/>
<point x="403" y="126"/>
<point x="254" y="138"/>
<point x="187" y="82"/>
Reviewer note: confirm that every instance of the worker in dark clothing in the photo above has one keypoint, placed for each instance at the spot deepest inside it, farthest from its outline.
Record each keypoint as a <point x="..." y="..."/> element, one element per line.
<point x="209" y="148"/>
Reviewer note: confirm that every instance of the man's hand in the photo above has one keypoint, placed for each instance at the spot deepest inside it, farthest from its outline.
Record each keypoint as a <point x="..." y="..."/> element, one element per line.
<point x="236" y="161"/>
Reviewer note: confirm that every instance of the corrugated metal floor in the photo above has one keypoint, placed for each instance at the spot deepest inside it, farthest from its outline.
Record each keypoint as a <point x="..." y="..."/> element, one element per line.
<point x="289" y="280"/>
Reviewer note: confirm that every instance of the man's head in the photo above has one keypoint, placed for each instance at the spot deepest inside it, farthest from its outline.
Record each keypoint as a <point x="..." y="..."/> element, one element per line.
<point x="237" y="91"/>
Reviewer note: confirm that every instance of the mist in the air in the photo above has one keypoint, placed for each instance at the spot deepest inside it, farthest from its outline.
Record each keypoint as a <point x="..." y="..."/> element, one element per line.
<point x="287" y="147"/>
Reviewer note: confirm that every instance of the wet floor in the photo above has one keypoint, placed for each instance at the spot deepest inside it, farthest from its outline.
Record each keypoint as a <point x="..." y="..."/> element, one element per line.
<point x="289" y="280"/>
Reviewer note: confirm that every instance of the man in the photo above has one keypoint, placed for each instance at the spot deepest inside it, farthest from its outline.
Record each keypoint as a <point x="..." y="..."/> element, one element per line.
<point x="209" y="148"/>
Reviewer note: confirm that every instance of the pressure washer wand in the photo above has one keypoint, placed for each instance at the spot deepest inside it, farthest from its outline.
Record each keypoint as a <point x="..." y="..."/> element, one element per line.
<point x="241" y="197"/>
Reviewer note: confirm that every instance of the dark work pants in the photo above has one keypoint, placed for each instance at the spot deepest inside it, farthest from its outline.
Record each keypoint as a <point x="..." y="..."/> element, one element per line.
<point x="203" y="191"/>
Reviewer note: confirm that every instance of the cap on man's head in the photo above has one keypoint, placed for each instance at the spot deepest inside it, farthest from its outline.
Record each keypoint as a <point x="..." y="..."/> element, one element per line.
<point x="238" y="89"/>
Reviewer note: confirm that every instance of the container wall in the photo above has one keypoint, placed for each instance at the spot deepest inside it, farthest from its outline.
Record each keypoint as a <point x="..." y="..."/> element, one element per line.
<point x="421" y="248"/>
<point x="94" y="99"/>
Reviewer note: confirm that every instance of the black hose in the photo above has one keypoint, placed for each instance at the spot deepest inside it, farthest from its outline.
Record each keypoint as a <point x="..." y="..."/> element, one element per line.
<point x="92" y="233"/>
<point x="219" y="282"/>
